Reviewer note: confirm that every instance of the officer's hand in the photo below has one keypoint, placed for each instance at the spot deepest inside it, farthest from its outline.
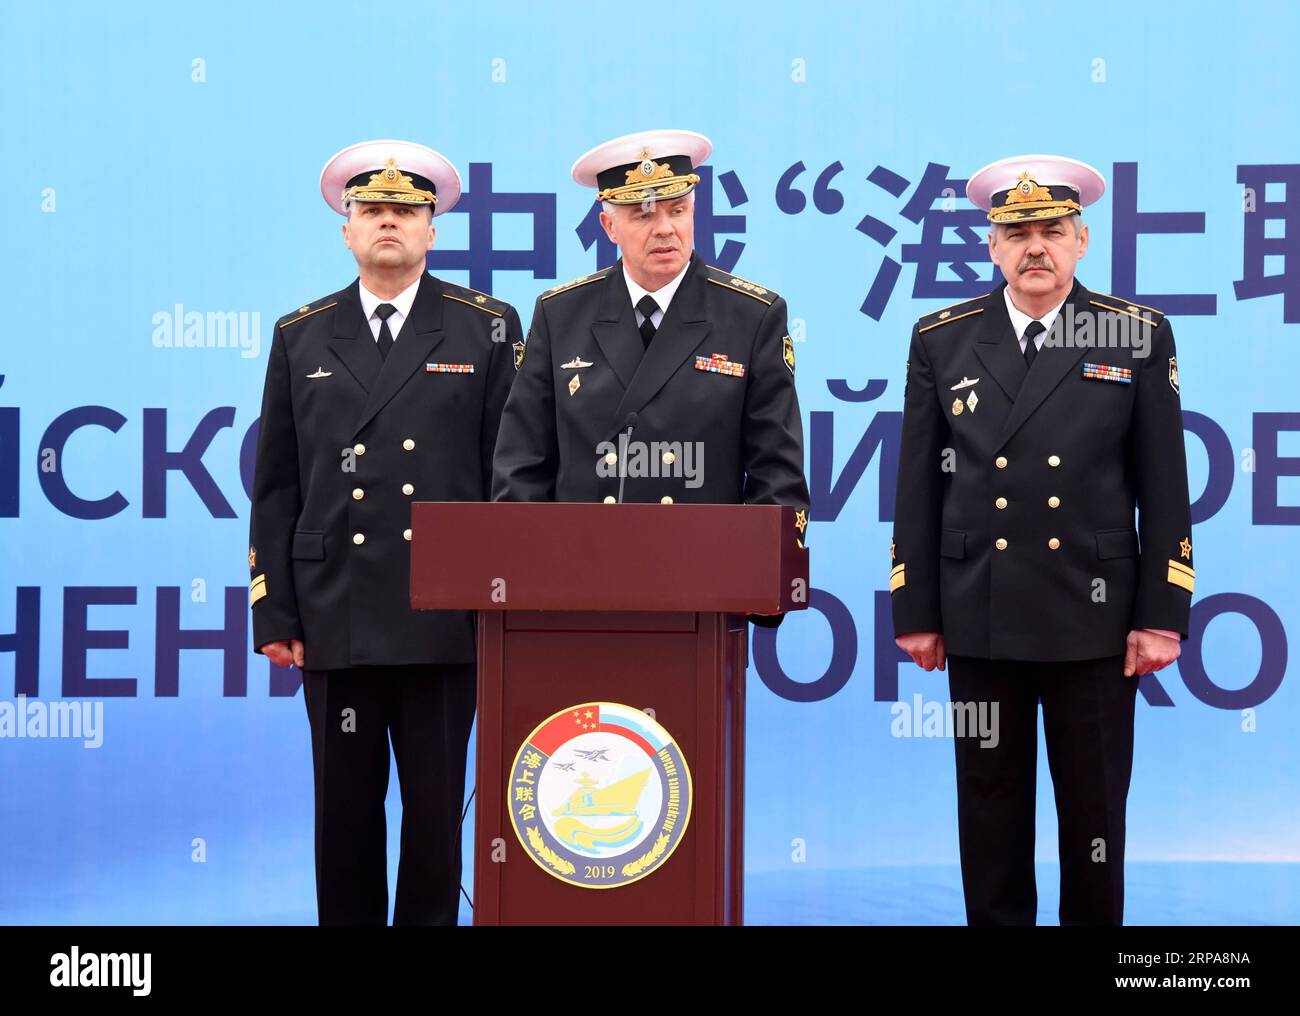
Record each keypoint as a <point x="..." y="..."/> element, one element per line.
<point x="1148" y="652"/>
<point x="924" y="647"/>
<point x="283" y="654"/>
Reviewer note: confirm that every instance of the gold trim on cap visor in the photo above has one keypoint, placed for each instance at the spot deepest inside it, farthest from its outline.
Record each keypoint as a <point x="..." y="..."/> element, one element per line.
<point x="390" y="184"/>
<point x="1014" y="213"/>
<point x="649" y="179"/>
<point x="1029" y="199"/>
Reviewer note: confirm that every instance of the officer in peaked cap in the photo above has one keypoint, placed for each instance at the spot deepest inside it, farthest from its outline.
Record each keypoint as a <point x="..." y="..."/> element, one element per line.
<point x="659" y="352"/>
<point x="1036" y="420"/>
<point x="386" y="392"/>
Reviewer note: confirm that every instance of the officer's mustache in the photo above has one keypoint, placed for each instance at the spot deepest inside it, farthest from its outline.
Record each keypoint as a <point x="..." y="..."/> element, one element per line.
<point x="1036" y="262"/>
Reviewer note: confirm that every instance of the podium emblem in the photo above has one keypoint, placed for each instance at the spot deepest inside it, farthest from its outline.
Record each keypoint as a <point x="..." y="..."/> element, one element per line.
<point x="599" y="795"/>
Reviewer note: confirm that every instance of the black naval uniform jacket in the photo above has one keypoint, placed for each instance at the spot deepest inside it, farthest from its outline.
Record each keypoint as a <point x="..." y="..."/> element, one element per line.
<point x="1014" y="531"/>
<point x="719" y="371"/>
<point x="348" y="441"/>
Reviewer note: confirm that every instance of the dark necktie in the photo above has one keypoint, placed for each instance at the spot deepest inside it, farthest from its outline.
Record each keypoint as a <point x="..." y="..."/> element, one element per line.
<point x="384" y="311"/>
<point x="1032" y="331"/>
<point x="647" y="306"/>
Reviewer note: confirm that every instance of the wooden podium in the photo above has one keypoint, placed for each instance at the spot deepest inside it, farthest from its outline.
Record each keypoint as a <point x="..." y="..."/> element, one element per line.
<point x="638" y="605"/>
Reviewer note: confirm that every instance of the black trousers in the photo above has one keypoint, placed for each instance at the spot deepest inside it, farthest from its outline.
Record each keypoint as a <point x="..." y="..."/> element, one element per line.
<point x="1088" y="708"/>
<point x="427" y="710"/>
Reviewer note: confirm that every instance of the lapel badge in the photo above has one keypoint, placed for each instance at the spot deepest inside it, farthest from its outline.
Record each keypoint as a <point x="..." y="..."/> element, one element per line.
<point x="787" y="352"/>
<point x="449" y="368"/>
<point x="518" y="347"/>
<point x="965" y="382"/>
<point x="322" y="373"/>
<point x="956" y="407"/>
<point x="971" y="400"/>
<point x="575" y="364"/>
<point x="1173" y="374"/>
<point x="575" y="383"/>
<point x="718" y="363"/>
<point x="1107" y="372"/>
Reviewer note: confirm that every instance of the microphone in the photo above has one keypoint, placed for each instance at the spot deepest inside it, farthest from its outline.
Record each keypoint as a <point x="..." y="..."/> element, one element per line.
<point x="624" y="438"/>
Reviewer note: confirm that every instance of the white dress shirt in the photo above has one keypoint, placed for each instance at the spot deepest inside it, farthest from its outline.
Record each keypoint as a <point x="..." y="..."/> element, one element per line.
<point x="1020" y="321"/>
<point x="402" y="301"/>
<point x="662" y="296"/>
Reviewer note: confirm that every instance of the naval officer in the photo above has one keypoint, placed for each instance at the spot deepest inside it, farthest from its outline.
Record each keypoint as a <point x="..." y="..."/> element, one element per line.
<point x="386" y="392"/>
<point x="661" y="378"/>
<point x="1037" y="421"/>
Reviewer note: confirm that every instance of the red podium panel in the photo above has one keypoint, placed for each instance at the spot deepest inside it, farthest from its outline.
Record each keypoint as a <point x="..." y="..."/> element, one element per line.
<point x="637" y="605"/>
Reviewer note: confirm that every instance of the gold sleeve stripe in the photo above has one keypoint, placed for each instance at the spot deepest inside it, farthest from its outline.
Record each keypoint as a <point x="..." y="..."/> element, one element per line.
<point x="897" y="579"/>
<point x="310" y="313"/>
<point x="950" y="320"/>
<point x="1181" y="575"/>
<point x="476" y="306"/>
<point x="257" y="590"/>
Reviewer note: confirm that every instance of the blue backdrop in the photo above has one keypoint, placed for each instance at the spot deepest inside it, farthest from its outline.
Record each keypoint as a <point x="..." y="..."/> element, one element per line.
<point x="163" y="168"/>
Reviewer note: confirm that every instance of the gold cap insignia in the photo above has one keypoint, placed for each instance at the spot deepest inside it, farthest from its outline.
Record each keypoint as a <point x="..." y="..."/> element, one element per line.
<point x="1029" y="199"/>
<point x="390" y="184"/>
<point x="649" y="180"/>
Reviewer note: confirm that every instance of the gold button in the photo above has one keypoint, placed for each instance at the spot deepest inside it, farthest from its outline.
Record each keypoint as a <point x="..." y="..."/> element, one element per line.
<point x="1001" y="502"/>
<point x="407" y="489"/>
<point x="1053" y="502"/>
<point x="669" y="458"/>
<point x="358" y="494"/>
<point x="359" y="449"/>
<point x="1053" y="460"/>
<point x="406" y="535"/>
<point x="408" y="444"/>
<point x="358" y="538"/>
<point x="610" y="458"/>
<point x="1000" y="462"/>
<point x="1054" y="543"/>
<point x="610" y="499"/>
<point x="1000" y="543"/>
<point x="665" y="500"/>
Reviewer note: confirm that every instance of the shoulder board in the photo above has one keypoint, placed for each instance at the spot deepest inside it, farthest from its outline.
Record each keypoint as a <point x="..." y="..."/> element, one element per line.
<point x="564" y="287"/>
<point x="308" y="309"/>
<point x="947" y="315"/>
<point x="738" y="285"/>
<point x="473" y="298"/>
<point x="1122" y="306"/>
